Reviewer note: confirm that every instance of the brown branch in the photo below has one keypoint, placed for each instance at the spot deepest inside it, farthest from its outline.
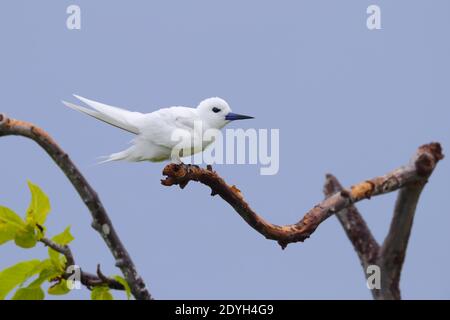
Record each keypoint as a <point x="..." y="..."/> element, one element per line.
<point x="87" y="279"/>
<point x="65" y="250"/>
<point x="416" y="171"/>
<point x="410" y="179"/>
<point x="354" y="225"/>
<point x="101" y="221"/>
<point x="391" y="255"/>
<point x="357" y="231"/>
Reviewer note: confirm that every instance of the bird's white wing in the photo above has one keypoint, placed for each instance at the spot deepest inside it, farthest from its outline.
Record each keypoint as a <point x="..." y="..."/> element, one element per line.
<point x="181" y="117"/>
<point x="124" y="119"/>
<point x="159" y="126"/>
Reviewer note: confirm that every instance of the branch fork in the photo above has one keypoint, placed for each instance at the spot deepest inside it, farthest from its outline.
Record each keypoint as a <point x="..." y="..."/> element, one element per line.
<point x="410" y="179"/>
<point x="87" y="279"/>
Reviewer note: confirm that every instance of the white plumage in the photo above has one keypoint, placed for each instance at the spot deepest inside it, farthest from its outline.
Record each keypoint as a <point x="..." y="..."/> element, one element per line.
<point x="154" y="131"/>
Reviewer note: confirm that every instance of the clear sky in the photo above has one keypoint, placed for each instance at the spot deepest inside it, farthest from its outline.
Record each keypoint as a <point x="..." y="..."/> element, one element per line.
<point x="347" y="100"/>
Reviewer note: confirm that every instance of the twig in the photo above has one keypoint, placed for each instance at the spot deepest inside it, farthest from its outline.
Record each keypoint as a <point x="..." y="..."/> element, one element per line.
<point x="88" y="279"/>
<point x="65" y="250"/>
<point x="417" y="171"/>
<point x="101" y="221"/>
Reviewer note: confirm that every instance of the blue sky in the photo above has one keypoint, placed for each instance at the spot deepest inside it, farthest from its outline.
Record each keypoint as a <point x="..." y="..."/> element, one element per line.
<point x="347" y="100"/>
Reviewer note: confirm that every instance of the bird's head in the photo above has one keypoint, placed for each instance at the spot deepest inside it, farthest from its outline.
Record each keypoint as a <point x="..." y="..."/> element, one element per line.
<point x="217" y="113"/>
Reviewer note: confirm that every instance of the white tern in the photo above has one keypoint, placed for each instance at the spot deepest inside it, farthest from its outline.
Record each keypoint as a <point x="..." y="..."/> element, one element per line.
<point x="154" y="131"/>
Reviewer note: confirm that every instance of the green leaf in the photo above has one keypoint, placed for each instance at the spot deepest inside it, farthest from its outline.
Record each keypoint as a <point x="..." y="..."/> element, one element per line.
<point x="26" y="237"/>
<point x="101" y="293"/>
<point x="39" y="206"/>
<point x="63" y="239"/>
<point x="47" y="272"/>
<point x="8" y="216"/>
<point x="34" y="293"/>
<point x="124" y="282"/>
<point x="59" y="289"/>
<point x="37" y="269"/>
<point x="10" y="222"/>
<point x="15" y="275"/>
<point x="56" y="259"/>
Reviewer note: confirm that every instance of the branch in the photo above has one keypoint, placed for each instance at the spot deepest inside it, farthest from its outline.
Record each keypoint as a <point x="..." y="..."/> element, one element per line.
<point x="101" y="221"/>
<point x="354" y="225"/>
<point x="416" y="171"/>
<point x="391" y="255"/>
<point x="87" y="279"/>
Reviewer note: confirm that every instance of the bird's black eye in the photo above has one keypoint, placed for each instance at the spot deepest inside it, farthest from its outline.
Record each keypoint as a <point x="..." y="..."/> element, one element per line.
<point x="215" y="110"/>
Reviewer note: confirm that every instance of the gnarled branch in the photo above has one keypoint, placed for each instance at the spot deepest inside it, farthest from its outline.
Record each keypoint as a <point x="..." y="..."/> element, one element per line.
<point x="101" y="221"/>
<point x="391" y="255"/>
<point x="416" y="172"/>
<point x="410" y="179"/>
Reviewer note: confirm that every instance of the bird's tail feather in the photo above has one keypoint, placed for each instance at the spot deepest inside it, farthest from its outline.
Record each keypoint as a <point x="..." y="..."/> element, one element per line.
<point x="122" y="155"/>
<point x="114" y="116"/>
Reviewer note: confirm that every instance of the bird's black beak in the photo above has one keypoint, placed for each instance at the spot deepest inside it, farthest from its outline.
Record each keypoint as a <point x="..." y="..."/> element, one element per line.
<point x="234" y="116"/>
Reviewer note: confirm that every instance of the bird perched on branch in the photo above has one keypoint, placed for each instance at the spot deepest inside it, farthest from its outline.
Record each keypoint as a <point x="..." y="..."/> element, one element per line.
<point x="158" y="133"/>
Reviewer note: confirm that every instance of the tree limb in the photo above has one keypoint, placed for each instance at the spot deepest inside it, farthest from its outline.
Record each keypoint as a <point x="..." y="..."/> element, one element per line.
<point x="354" y="225"/>
<point x="391" y="255"/>
<point x="87" y="279"/>
<point x="101" y="221"/>
<point x="393" y="251"/>
<point x="416" y="171"/>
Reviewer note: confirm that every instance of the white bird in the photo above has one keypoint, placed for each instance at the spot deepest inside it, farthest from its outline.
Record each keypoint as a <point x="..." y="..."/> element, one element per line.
<point x="154" y="131"/>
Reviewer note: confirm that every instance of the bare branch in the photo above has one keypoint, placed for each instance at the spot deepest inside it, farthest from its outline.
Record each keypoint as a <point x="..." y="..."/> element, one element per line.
<point x="392" y="253"/>
<point x="354" y="225"/>
<point x="101" y="221"/>
<point x="87" y="279"/>
<point x="412" y="173"/>
<point x="357" y="231"/>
